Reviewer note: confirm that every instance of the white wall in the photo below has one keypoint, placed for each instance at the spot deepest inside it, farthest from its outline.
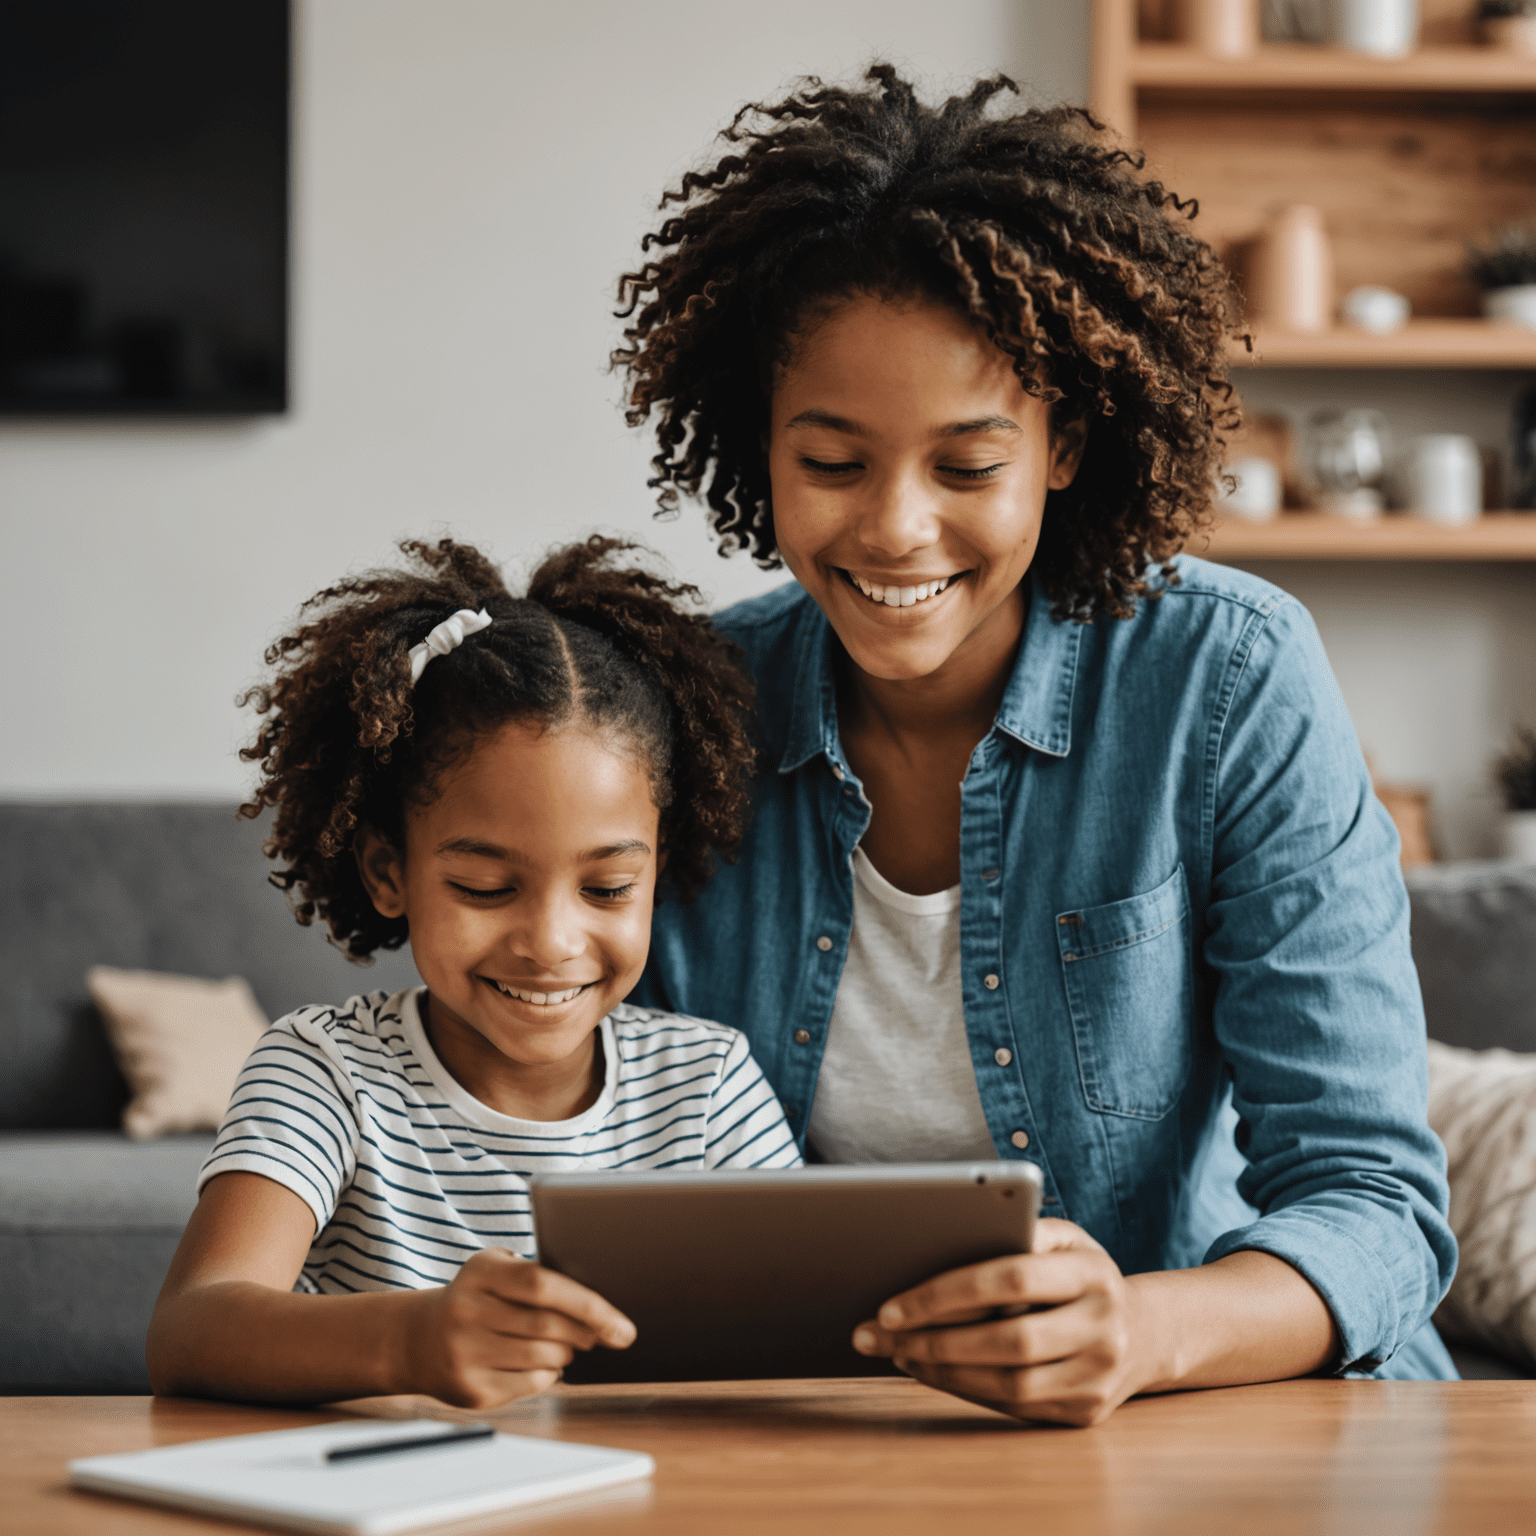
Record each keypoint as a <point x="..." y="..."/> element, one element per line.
<point x="471" y="175"/>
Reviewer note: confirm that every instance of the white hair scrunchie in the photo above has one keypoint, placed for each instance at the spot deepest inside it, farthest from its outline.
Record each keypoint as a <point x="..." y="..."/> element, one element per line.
<point x="448" y="636"/>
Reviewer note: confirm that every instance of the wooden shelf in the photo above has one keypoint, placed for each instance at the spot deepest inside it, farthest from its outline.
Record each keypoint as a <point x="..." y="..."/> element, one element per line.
<point x="1302" y="67"/>
<point x="1420" y="344"/>
<point x="1317" y="536"/>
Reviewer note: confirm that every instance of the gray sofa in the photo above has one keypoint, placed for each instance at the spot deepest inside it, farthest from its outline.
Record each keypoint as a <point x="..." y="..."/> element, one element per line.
<point x="89" y="1220"/>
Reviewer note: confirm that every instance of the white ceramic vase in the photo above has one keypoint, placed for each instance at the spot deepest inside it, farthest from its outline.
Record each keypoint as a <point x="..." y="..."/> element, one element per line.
<point x="1229" y="29"/>
<point x="1291" y="271"/>
<point x="1515" y="306"/>
<point x="1519" y="836"/>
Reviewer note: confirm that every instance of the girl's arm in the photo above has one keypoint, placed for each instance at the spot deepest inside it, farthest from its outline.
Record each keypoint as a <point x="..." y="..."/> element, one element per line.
<point x="1103" y="1338"/>
<point x="228" y="1323"/>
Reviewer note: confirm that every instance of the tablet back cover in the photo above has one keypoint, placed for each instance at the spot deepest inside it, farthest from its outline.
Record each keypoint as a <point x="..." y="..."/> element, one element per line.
<point x="726" y="1281"/>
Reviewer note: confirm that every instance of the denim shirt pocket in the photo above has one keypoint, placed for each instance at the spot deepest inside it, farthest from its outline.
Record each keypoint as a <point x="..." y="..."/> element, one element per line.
<point x="1126" y="967"/>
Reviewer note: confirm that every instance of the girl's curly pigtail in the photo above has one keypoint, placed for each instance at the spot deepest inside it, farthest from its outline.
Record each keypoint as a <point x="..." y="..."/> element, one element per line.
<point x="336" y="745"/>
<point x="704" y="797"/>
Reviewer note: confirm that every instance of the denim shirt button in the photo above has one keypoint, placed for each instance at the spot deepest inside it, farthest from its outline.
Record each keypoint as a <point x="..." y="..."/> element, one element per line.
<point x="1020" y="1139"/>
<point x="802" y="1037"/>
<point x="990" y="874"/>
<point x="823" y="943"/>
<point x="1002" y="1056"/>
<point x="991" y="981"/>
<point x="837" y="773"/>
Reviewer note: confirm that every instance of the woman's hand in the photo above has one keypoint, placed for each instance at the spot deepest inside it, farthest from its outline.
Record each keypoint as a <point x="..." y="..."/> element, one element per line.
<point x="503" y="1328"/>
<point x="967" y="1332"/>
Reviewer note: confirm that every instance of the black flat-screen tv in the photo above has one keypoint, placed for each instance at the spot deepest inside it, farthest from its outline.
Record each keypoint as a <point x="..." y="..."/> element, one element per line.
<point x="143" y="207"/>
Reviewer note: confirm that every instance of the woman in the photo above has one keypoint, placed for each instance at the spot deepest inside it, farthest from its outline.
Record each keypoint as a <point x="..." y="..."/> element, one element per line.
<point x="1063" y="847"/>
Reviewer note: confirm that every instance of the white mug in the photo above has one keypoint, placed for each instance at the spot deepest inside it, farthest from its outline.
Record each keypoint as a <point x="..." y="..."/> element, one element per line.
<point x="1386" y="28"/>
<point x="1257" y="497"/>
<point x="1515" y="306"/>
<point x="1443" y="479"/>
<point x="1378" y="310"/>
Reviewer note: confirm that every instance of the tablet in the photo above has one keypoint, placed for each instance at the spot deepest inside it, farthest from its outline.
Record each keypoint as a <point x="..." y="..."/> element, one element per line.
<point x="731" y="1275"/>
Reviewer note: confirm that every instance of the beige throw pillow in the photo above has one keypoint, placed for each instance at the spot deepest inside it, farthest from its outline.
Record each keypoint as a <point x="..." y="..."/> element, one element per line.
<point x="1482" y="1105"/>
<point x="180" y="1041"/>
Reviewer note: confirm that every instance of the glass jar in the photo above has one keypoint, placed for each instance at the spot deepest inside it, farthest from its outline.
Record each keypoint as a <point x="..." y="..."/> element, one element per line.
<point x="1344" y="460"/>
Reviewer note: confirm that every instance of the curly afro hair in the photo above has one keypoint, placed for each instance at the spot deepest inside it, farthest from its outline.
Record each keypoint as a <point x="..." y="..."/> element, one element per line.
<point x="1028" y="222"/>
<point x="347" y="741"/>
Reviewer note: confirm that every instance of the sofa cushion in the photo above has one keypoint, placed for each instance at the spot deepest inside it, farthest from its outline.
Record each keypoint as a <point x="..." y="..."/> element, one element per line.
<point x="179" y="888"/>
<point x="88" y="1224"/>
<point x="1474" y="942"/>
<point x="180" y="1041"/>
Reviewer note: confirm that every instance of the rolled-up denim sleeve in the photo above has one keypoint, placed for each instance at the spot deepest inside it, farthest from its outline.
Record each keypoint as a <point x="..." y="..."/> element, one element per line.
<point x="1317" y="1006"/>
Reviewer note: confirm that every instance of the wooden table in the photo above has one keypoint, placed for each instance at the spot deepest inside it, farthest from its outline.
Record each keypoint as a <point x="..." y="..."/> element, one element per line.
<point x="891" y="1457"/>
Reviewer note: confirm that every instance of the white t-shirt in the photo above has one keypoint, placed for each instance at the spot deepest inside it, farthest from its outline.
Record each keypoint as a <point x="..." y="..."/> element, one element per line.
<point x="896" y="1082"/>
<point x="408" y="1175"/>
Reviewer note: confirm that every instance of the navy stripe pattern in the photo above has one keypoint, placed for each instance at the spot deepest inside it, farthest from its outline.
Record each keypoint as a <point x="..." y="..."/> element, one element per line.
<point x="407" y="1175"/>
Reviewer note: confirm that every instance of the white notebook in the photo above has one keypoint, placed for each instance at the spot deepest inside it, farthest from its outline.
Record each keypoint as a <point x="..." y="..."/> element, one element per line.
<point x="282" y="1478"/>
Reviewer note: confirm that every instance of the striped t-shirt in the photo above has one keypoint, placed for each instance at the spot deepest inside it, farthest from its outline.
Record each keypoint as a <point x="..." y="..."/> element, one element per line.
<point x="408" y="1175"/>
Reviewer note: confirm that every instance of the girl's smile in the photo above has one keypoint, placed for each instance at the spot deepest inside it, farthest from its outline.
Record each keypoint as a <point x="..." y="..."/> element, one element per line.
<point x="548" y="999"/>
<point x="527" y="880"/>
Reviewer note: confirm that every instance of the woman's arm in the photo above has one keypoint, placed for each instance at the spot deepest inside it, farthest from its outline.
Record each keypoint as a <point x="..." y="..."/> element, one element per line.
<point x="228" y="1324"/>
<point x="1099" y="1337"/>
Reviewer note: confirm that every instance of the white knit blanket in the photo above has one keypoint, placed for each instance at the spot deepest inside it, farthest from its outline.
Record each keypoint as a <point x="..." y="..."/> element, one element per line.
<point x="1482" y="1105"/>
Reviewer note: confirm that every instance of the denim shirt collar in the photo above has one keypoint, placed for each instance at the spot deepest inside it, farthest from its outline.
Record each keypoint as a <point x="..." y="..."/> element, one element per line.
<point x="1037" y="703"/>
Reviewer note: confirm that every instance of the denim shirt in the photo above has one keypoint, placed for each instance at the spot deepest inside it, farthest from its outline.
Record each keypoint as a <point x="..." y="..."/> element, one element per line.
<point x="1186" y="976"/>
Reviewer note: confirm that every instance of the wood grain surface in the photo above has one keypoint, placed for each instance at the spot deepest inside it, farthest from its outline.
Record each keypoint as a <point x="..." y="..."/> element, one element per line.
<point x="1435" y="343"/>
<point x="1401" y="187"/>
<point x="1316" y="536"/>
<point x="1302" y="66"/>
<point x="855" y="1458"/>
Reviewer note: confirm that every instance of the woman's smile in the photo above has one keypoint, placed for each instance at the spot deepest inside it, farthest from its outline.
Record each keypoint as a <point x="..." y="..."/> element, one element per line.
<point x="900" y="592"/>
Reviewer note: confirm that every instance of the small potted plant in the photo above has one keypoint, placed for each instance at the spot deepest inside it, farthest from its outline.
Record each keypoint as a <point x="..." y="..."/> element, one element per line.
<point x="1509" y="24"/>
<point x="1516" y="772"/>
<point x="1504" y="267"/>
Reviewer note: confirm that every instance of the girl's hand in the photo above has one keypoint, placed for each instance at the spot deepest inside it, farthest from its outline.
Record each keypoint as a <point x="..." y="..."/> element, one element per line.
<point x="967" y="1331"/>
<point x="503" y="1328"/>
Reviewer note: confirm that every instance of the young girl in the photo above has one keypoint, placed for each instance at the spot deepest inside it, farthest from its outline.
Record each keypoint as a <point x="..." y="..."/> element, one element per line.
<point x="1072" y="850"/>
<point x="500" y="781"/>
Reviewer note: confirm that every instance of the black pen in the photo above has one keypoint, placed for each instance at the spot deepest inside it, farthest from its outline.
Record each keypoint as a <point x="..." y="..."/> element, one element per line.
<point x="411" y="1443"/>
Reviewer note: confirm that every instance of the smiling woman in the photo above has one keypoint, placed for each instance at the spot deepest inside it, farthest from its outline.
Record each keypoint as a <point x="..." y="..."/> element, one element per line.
<point x="1063" y="848"/>
<point x="1026" y="224"/>
<point x="906" y="456"/>
<point x="907" y="463"/>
